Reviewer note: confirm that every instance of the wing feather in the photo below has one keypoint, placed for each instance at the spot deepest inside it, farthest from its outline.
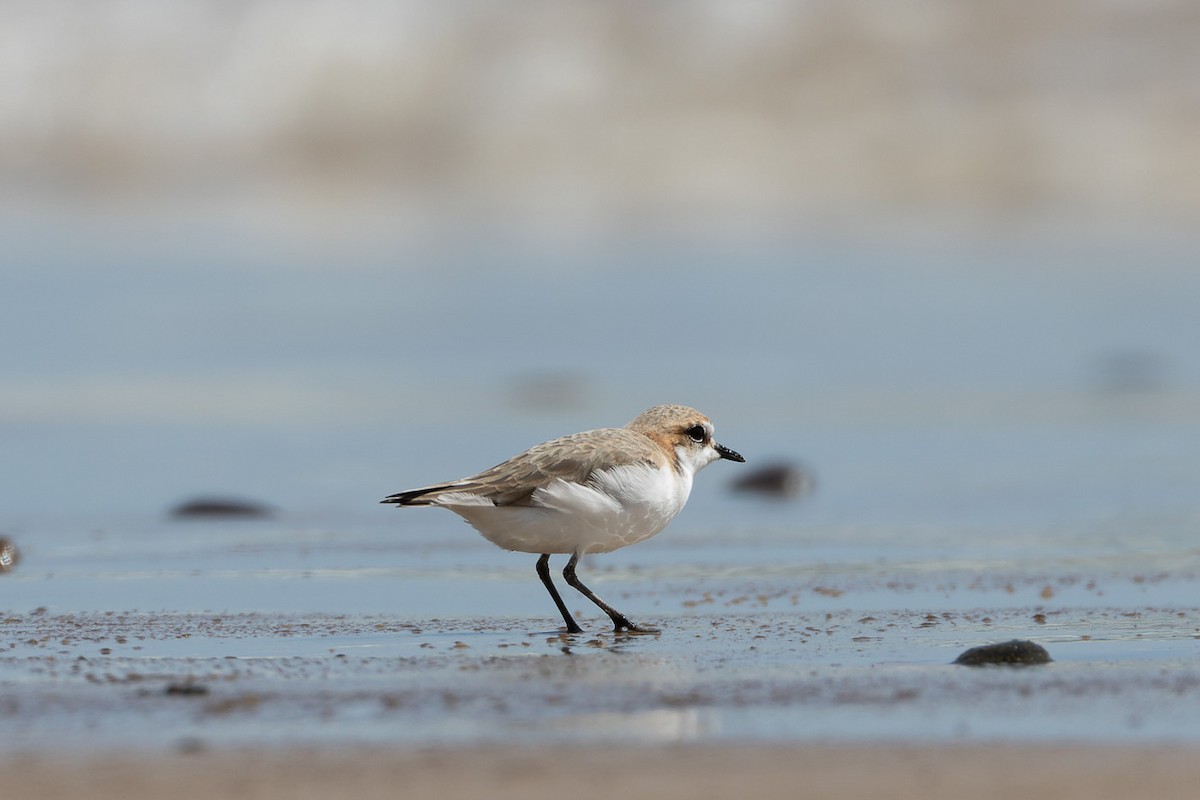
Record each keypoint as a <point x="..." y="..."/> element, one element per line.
<point x="570" y="458"/>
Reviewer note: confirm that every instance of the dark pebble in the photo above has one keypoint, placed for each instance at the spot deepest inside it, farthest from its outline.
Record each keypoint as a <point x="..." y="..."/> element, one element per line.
<point x="220" y="507"/>
<point x="778" y="480"/>
<point x="186" y="689"/>
<point x="1017" y="653"/>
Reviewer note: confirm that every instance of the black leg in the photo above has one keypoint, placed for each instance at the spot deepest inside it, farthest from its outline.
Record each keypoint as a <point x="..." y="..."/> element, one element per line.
<point x="543" y="571"/>
<point x="620" y="622"/>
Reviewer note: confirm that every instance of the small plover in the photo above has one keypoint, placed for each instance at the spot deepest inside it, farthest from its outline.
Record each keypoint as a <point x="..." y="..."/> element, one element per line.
<point x="590" y="492"/>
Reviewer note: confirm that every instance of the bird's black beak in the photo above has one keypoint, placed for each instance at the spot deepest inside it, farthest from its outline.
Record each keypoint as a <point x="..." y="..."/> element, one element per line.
<point x="725" y="452"/>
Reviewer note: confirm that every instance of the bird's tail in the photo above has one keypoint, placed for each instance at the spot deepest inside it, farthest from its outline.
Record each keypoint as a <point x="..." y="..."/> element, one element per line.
<point x="425" y="496"/>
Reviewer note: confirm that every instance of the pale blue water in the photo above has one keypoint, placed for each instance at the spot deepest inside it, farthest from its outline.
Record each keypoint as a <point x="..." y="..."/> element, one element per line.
<point x="927" y="379"/>
<point x="996" y="429"/>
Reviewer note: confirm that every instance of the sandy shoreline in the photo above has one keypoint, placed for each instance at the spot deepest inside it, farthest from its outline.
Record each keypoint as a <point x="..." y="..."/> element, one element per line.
<point x="979" y="771"/>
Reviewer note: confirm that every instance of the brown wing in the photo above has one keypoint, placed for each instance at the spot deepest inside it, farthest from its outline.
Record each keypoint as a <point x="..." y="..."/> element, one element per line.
<point x="570" y="458"/>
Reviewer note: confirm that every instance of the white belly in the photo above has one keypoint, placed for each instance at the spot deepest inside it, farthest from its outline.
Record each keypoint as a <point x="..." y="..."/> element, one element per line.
<point x="615" y="509"/>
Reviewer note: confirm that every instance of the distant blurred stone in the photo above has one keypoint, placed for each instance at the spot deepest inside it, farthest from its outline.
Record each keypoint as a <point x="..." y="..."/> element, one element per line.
<point x="549" y="391"/>
<point x="779" y="480"/>
<point x="1125" y="372"/>
<point x="220" y="507"/>
<point x="186" y="689"/>
<point x="1015" y="653"/>
<point x="8" y="554"/>
<point x="190" y="745"/>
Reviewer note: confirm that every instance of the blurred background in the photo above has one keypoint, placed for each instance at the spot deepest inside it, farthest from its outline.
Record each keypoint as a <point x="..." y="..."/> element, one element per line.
<point x="942" y="254"/>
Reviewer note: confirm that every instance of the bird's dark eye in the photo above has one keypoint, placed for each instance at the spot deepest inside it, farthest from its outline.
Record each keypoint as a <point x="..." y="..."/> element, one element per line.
<point x="696" y="433"/>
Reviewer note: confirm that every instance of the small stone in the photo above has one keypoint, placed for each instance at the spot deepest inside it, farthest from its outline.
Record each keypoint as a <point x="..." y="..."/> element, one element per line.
<point x="779" y="480"/>
<point x="1015" y="653"/>
<point x="225" y="507"/>
<point x="8" y="554"/>
<point x="186" y="689"/>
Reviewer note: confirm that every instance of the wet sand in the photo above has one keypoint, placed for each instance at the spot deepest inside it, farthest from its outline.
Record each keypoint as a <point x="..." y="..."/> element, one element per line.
<point x="929" y="773"/>
<point x="771" y="676"/>
<point x="169" y="682"/>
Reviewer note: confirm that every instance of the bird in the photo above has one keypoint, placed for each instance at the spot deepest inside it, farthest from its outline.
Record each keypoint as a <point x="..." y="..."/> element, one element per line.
<point x="590" y="492"/>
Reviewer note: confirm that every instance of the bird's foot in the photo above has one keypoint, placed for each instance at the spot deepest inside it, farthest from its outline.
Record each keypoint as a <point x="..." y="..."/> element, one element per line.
<point x="625" y="626"/>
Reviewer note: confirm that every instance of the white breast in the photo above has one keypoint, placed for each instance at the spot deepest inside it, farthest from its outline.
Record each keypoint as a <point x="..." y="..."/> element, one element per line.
<point x="615" y="508"/>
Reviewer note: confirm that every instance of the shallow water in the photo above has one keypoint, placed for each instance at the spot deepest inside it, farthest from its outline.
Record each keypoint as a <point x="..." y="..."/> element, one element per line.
<point x="1004" y="441"/>
<point x="305" y="634"/>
